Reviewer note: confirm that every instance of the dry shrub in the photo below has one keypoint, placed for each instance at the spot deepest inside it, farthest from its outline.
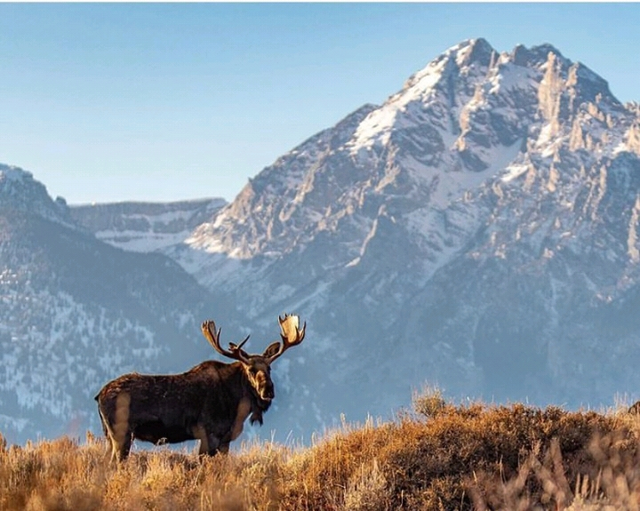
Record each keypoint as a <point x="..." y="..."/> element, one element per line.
<point x="429" y="402"/>
<point x="491" y="453"/>
<point x="46" y="476"/>
<point x="367" y="489"/>
<point x="474" y="457"/>
<point x="318" y="477"/>
<point x="459" y="453"/>
<point x="246" y="481"/>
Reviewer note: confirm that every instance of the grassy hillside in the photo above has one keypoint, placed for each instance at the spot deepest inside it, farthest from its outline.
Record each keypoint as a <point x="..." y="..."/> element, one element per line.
<point x="439" y="457"/>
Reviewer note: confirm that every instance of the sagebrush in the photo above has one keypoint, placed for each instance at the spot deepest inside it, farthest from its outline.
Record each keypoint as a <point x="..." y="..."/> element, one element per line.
<point x="443" y="457"/>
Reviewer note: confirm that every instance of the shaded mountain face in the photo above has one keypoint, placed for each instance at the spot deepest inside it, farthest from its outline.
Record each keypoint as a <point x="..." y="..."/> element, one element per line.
<point x="76" y="312"/>
<point x="479" y="230"/>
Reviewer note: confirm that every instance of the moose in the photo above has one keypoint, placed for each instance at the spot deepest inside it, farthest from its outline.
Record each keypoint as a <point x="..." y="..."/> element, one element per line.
<point x="210" y="402"/>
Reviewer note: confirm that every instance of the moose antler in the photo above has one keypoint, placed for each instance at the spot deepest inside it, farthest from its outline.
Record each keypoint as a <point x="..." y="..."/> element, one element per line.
<point x="213" y="336"/>
<point x="291" y="334"/>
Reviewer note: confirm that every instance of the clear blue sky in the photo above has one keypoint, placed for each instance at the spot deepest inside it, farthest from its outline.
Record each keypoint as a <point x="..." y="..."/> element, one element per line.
<point x="109" y="102"/>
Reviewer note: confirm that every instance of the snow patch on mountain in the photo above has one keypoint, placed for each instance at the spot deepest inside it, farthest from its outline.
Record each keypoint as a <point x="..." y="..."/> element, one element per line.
<point x="145" y="227"/>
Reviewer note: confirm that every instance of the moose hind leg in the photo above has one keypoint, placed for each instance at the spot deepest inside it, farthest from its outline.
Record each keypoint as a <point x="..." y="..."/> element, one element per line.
<point x="110" y="433"/>
<point x="122" y="436"/>
<point x="124" y="447"/>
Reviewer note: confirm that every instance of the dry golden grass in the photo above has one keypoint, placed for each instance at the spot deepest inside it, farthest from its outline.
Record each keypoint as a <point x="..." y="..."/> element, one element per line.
<point x="443" y="457"/>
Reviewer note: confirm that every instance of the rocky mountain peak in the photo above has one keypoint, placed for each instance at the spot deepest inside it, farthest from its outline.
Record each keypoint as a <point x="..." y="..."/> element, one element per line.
<point x="460" y="120"/>
<point x="459" y="58"/>
<point x="14" y="181"/>
<point x="19" y="190"/>
<point x="474" y="51"/>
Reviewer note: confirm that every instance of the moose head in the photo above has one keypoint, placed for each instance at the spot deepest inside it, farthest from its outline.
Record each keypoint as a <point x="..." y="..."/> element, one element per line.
<point x="257" y="368"/>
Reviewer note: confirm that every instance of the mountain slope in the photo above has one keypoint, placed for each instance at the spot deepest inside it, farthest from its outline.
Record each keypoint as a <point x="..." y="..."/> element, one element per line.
<point x="76" y="312"/>
<point x="478" y="229"/>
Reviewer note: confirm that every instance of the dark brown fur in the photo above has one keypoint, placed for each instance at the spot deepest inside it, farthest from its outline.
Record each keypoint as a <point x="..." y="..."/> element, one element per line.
<point x="202" y="402"/>
<point x="210" y="402"/>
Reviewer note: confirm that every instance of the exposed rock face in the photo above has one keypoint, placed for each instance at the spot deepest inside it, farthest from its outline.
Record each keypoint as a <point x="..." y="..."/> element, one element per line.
<point x="20" y="192"/>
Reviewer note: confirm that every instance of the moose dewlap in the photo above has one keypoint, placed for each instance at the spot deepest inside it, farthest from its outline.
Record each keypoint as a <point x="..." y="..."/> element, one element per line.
<point x="210" y="402"/>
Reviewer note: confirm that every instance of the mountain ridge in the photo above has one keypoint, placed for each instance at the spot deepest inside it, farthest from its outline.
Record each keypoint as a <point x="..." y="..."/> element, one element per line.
<point x="144" y="226"/>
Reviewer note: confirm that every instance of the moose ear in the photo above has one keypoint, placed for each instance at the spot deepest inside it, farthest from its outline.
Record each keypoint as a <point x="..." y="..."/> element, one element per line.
<point x="272" y="350"/>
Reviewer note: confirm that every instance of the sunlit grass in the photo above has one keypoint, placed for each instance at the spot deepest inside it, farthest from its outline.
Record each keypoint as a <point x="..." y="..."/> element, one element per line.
<point x="439" y="457"/>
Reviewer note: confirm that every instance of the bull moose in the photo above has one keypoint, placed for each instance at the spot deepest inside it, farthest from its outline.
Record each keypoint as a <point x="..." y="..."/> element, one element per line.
<point x="210" y="402"/>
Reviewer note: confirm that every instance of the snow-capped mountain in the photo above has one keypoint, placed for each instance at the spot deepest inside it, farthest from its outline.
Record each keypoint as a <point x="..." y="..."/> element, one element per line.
<point x="145" y="226"/>
<point x="478" y="230"/>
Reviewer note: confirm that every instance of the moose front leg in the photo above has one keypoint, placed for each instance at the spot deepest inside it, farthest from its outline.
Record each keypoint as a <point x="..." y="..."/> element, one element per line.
<point x="210" y="446"/>
<point x="225" y="441"/>
<point x="209" y="442"/>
